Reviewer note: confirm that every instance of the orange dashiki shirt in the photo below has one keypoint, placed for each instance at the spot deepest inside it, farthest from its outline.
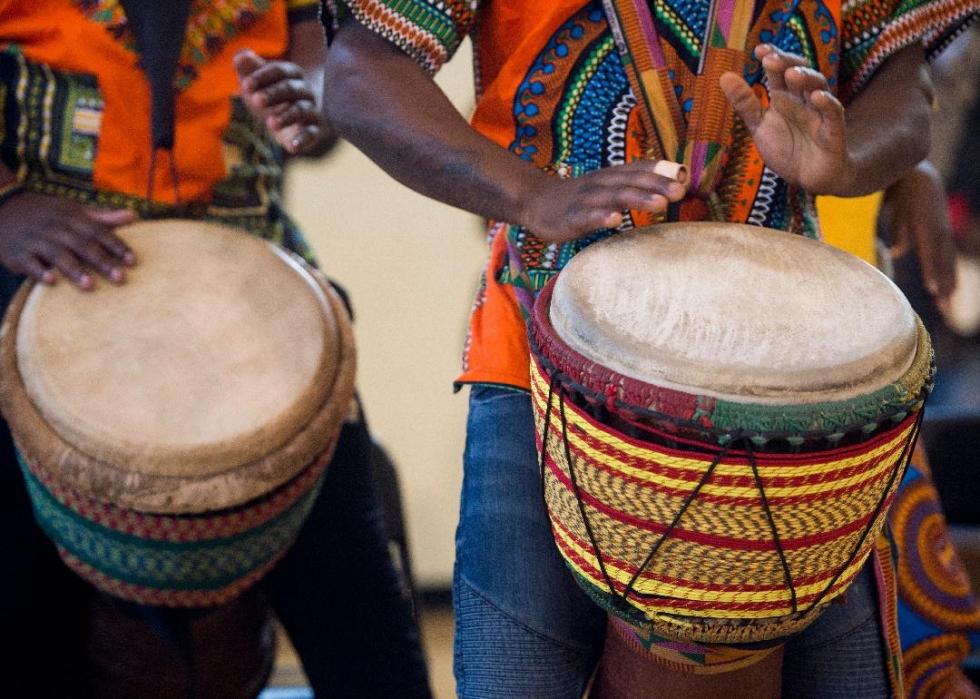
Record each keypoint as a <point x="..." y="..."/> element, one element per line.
<point x="76" y="110"/>
<point x="551" y="88"/>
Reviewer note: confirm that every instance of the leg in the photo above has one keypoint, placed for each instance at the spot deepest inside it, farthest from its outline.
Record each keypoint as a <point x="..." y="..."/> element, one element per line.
<point x="337" y="592"/>
<point x="841" y="654"/>
<point x="523" y="627"/>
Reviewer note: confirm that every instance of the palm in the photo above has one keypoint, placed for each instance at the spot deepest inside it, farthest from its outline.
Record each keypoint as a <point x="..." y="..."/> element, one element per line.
<point x="796" y="141"/>
<point x="801" y="136"/>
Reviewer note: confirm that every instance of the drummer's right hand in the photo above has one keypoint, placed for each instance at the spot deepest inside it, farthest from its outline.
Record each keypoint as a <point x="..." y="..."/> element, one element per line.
<point x="564" y="209"/>
<point x="41" y="234"/>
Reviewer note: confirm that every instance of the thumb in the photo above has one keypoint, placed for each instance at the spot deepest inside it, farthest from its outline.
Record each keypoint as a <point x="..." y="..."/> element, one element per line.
<point x="743" y="100"/>
<point x="247" y="62"/>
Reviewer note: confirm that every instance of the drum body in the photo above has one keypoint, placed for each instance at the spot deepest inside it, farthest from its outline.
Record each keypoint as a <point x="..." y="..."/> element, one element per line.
<point x="723" y="416"/>
<point x="173" y="431"/>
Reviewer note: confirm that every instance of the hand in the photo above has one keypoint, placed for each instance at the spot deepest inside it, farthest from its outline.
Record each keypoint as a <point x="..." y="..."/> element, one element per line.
<point x="801" y="135"/>
<point x="914" y="212"/>
<point x="40" y="234"/>
<point x="278" y="94"/>
<point x="557" y="209"/>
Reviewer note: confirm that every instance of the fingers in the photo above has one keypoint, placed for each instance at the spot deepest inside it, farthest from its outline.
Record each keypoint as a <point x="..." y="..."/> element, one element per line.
<point x="801" y="81"/>
<point x="102" y="222"/>
<point x="94" y="253"/>
<point x="743" y="99"/>
<point x="65" y="261"/>
<point x="598" y="200"/>
<point x="271" y="73"/>
<point x="285" y="91"/>
<point x="300" y="139"/>
<point x="247" y="62"/>
<point x="833" y="128"/>
<point x="647" y="175"/>
<point x="35" y="269"/>
<point x="302" y="112"/>
<point x="775" y="63"/>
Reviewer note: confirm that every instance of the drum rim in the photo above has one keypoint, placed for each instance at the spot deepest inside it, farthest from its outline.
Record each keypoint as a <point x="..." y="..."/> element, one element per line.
<point x="722" y="420"/>
<point x="163" y="494"/>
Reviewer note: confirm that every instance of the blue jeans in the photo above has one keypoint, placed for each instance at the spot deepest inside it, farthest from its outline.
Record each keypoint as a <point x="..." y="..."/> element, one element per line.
<point x="523" y="626"/>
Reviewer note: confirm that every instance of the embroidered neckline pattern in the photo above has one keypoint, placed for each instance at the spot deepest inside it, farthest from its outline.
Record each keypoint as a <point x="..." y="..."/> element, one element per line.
<point x="211" y="25"/>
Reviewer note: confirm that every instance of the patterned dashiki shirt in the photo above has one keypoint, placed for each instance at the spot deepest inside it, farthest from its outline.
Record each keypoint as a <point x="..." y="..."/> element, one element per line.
<point x="77" y="103"/>
<point x="552" y="89"/>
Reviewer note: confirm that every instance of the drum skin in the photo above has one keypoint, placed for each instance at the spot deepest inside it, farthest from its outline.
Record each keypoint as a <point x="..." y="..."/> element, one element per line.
<point x="173" y="431"/>
<point x="736" y="312"/>
<point x="696" y="485"/>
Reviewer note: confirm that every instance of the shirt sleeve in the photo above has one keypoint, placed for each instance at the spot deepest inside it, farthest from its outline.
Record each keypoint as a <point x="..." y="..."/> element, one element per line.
<point x="429" y="31"/>
<point x="873" y="30"/>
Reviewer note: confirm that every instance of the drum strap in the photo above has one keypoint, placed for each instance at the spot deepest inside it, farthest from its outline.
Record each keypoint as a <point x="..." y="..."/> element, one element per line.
<point x="700" y="137"/>
<point x="159" y="29"/>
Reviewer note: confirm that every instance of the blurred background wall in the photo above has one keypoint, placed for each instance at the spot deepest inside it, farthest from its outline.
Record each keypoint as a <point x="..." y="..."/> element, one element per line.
<point x="411" y="266"/>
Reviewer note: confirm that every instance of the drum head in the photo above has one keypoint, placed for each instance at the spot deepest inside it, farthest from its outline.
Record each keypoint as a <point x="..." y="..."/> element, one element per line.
<point x="736" y="312"/>
<point x="216" y="351"/>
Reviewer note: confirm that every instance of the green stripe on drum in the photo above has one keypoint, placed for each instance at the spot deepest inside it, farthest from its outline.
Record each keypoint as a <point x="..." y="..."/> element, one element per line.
<point x="199" y="565"/>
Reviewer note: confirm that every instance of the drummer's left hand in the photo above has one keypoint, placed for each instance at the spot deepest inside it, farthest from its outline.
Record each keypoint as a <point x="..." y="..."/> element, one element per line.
<point x="801" y="135"/>
<point x="279" y="95"/>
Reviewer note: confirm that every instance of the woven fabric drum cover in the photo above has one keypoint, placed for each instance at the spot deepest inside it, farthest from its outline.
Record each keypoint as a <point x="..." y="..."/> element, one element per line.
<point x="174" y="429"/>
<point x="722" y="537"/>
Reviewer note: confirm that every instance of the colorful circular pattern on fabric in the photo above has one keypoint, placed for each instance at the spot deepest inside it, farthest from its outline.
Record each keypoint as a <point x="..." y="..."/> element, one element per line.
<point x="932" y="580"/>
<point x="931" y="668"/>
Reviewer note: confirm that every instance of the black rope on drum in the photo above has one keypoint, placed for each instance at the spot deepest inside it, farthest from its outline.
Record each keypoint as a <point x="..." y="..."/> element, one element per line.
<point x="578" y="495"/>
<point x="901" y="466"/>
<point x="544" y="438"/>
<point x="677" y="518"/>
<point x="772" y="524"/>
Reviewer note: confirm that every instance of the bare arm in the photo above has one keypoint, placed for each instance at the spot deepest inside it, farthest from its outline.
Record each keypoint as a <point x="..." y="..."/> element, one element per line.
<point x="808" y="137"/>
<point x="888" y="122"/>
<point x="385" y="104"/>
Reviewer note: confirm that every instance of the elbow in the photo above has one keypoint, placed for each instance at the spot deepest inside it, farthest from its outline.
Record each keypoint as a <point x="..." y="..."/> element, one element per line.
<point x="340" y="83"/>
<point x="919" y="124"/>
<point x="918" y="139"/>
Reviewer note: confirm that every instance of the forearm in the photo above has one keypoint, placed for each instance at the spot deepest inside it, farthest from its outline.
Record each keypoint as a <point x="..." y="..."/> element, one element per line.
<point x="888" y="124"/>
<point x="385" y="104"/>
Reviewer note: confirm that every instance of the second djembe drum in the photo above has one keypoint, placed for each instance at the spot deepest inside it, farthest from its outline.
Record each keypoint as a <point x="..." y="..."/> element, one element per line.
<point x="724" y="414"/>
<point x="173" y="431"/>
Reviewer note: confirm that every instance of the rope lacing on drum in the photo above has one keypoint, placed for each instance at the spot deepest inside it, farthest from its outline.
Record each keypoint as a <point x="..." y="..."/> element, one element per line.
<point x="901" y="466"/>
<point x="747" y="440"/>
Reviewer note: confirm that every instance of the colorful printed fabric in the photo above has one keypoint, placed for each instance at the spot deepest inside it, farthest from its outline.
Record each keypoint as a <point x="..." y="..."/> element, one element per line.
<point x="552" y="89"/>
<point x="210" y="25"/>
<point x="938" y="613"/>
<point x="685" y="656"/>
<point x="76" y="106"/>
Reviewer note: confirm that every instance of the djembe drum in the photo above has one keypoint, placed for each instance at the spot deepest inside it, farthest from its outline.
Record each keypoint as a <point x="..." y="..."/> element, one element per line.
<point x="173" y="431"/>
<point x="723" y="416"/>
